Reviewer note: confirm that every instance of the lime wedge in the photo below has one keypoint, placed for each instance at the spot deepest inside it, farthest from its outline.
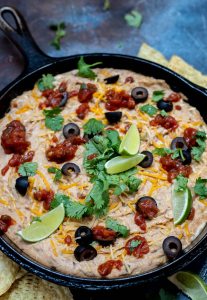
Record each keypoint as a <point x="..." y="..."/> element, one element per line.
<point x="182" y="203"/>
<point x="190" y="284"/>
<point x="123" y="163"/>
<point x="45" y="226"/>
<point x="131" y="142"/>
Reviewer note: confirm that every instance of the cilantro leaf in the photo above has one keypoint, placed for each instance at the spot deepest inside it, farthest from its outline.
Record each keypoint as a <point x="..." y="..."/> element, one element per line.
<point x="114" y="225"/>
<point x="134" y="18"/>
<point x="106" y="5"/>
<point x="84" y="70"/>
<point x="134" y="244"/>
<point x="178" y="153"/>
<point x="163" y="113"/>
<point x="73" y="209"/>
<point x="46" y="82"/>
<point x="149" y="109"/>
<point x="60" y="32"/>
<point x="162" y="151"/>
<point x="198" y="150"/>
<point x="181" y="183"/>
<point x="157" y="96"/>
<point x="52" y="120"/>
<point x="28" y="169"/>
<point x="114" y="138"/>
<point x="93" y="127"/>
<point x="57" y="172"/>
<point x="200" y="188"/>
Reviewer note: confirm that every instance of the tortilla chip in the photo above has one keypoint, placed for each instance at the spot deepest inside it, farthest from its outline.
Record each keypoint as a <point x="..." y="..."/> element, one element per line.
<point x="20" y="274"/>
<point x="178" y="65"/>
<point x="31" y="287"/>
<point x="149" y="53"/>
<point x="8" y="273"/>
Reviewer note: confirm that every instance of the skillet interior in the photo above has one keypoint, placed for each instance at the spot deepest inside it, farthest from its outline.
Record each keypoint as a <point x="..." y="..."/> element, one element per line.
<point x="35" y="58"/>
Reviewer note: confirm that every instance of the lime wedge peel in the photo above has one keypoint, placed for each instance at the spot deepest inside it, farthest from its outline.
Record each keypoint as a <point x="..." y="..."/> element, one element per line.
<point x="131" y="142"/>
<point x="182" y="203"/>
<point x="123" y="163"/>
<point x="190" y="284"/>
<point x="48" y="223"/>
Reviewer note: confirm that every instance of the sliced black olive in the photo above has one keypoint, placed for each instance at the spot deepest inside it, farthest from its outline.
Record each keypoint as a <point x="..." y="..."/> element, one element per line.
<point x="187" y="157"/>
<point x="22" y="185"/>
<point x="112" y="79"/>
<point x="139" y="94"/>
<point x="113" y="116"/>
<point x="70" y="167"/>
<point x="71" y="129"/>
<point x="165" y="105"/>
<point x="149" y="211"/>
<point x="64" y="99"/>
<point x="84" y="235"/>
<point x="147" y="161"/>
<point x="178" y="143"/>
<point x="172" y="247"/>
<point x="82" y="253"/>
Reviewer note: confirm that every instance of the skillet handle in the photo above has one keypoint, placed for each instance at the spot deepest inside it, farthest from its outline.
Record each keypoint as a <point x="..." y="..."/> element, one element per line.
<point x="22" y="38"/>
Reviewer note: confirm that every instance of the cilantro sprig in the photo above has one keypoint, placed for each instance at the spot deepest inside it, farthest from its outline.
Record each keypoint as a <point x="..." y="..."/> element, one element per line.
<point x="200" y="188"/>
<point x="157" y="96"/>
<point x="134" y="18"/>
<point x="114" y="225"/>
<point x="133" y="245"/>
<point x="53" y="121"/>
<point x="60" y="32"/>
<point x="84" y="69"/>
<point x="162" y="151"/>
<point x="46" y="82"/>
<point x="57" y="172"/>
<point x="181" y="183"/>
<point x="149" y="109"/>
<point x="198" y="150"/>
<point x="28" y="169"/>
<point x="93" y="127"/>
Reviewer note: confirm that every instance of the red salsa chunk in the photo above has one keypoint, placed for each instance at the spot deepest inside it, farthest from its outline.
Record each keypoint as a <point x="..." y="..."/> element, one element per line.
<point x="100" y="233"/>
<point x="190" y="136"/>
<point x="86" y="92"/>
<point x="173" y="97"/>
<point x="116" y="100"/>
<point x="68" y="240"/>
<point x="82" y="110"/>
<point x="13" y="139"/>
<point x="147" y="208"/>
<point x="137" y="246"/>
<point x="129" y="79"/>
<point x="5" y="223"/>
<point x="106" y="268"/>
<point x="167" y="122"/>
<point x="46" y="196"/>
<point x="54" y="97"/>
<point x="64" y="151"/>
<point x="139" y="220"/>
<point x="191" y="214"/>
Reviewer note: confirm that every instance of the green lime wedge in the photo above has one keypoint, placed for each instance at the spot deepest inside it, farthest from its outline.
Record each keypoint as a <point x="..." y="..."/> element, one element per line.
<point x="45" y="226"/>
<point x="190" y="284"/>
<point x="123" y="163"/>
<point x="182" y="203"/>
<point x="131" y="142"/>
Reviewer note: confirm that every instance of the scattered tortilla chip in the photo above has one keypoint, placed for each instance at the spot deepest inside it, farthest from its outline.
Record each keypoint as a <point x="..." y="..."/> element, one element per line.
<point x="178" y="65"/>
<point x="31" y="287"/>
<point x="8" y="273"/>
<point x="149" y="53"/>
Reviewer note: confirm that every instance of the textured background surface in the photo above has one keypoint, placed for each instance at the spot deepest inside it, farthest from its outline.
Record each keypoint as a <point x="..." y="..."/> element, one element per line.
<point x="171" y="26"/>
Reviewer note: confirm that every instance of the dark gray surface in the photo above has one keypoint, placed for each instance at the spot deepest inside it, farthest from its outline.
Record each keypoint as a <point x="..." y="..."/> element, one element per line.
<point x="171" y="26"/>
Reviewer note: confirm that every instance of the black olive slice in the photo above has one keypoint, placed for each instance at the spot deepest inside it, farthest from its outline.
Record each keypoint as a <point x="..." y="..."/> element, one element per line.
<point x="71" y="129"/>
<point x="22" y="185"/>
<point x="147" y="206"/>
<point x="187" y="157"/>
<point x="172" y="247"/>
<point x="147" y="161"/>
<point x="64" y="99"/>
<point x="112" y="79"/>
<point x="178" y="143"/>
<point x="82" y="253"/>
<point x="165" y="105"/>
<point x="84" y="235"/>
<point x="70" y="167"/>
<point x="139" y="94"/>
<point x="113" y="116"/>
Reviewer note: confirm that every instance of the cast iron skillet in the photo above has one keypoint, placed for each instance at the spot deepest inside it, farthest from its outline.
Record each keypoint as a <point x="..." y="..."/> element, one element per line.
<point x="36" y="64"/>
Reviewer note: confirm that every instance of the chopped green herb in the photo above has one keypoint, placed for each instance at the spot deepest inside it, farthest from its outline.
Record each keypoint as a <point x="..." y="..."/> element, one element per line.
<point x="134" y="244"/>
<point x="73" y="209"/>
<point x="36" y="219"/>
<point x="134" y="18"/>
<point x="56" y="171"/>
<point x="181" y="183"/>
<point x="106" y="5"/>
<point x="157" y="96"/>
<point x="163" y="113"/>
<point x="52" y="120"/>
<point x="93" y="127"/>
<point x="114" y="225"/>
<point x="200" y="188"/>
<point x="162" y="151"/>
<point x="84" y="70"/>
<point x="149" y="109"/>
<point x="60" y="32"/>
<point x="178" y="153"/>
<point x="198" y="150"/>
<point x="28" y="169"/>
<point x="46" y="82"/>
